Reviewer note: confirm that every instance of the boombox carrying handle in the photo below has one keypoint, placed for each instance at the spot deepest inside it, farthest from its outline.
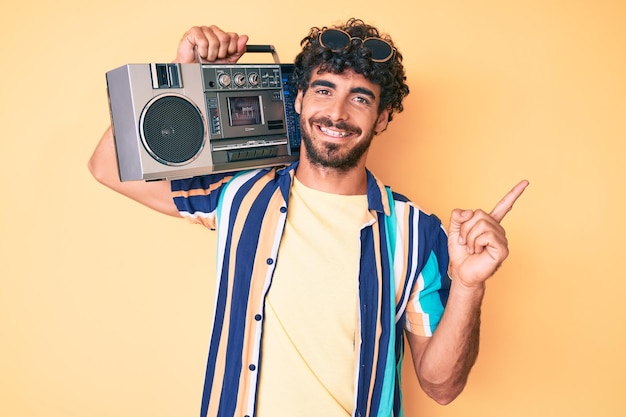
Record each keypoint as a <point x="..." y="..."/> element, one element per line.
<point x="249" y="48"/>
<point x="264" y="48"/>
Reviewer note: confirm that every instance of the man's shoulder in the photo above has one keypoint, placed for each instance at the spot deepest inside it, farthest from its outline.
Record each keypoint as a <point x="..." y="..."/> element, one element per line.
<point x="207" y="180"/>
<point x="407" y="205"/>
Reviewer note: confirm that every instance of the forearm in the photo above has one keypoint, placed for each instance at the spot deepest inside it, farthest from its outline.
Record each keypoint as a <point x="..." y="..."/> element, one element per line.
<point x="449" y="355"/>
<point x="477" y="246"/>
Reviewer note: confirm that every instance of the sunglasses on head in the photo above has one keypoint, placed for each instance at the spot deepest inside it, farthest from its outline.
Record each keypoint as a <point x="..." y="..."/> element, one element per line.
<point x="337" y="40"/>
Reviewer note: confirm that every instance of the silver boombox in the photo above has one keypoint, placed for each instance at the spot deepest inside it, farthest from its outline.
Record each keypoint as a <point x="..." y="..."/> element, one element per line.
<point x="181" y="120"/>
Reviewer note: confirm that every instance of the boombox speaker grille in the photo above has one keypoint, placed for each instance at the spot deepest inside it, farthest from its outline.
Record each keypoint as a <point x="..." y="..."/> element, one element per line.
<point x="172" y="130"/>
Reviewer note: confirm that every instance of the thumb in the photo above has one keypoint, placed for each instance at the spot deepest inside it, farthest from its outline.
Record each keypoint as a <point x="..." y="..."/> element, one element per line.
<point x="457" y="218"/>
<point x="241" y="44"/>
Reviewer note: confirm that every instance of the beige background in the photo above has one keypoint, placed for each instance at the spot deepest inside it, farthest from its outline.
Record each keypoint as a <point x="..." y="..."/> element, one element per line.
<point x="105" y="306"/>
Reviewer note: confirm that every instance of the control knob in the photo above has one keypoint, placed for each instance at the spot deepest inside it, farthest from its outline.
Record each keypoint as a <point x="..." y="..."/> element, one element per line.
<point x="240" y="79"/>
<point x="224" y="79"/>
<point x="253" y="79"/>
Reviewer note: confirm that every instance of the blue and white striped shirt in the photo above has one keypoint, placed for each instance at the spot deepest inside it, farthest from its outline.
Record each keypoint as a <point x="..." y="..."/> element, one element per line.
<point x="403" y="283"/>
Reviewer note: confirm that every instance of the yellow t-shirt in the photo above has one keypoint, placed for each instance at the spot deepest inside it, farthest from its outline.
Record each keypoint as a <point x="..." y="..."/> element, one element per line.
<point x="308" y="352"/>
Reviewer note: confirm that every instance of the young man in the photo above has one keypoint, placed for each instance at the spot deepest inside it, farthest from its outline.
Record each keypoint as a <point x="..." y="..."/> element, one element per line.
<point x="322" y="271"/>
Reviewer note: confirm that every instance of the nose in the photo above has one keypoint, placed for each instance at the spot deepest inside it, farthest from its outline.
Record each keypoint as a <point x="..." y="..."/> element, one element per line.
<point x="338" y="110"/>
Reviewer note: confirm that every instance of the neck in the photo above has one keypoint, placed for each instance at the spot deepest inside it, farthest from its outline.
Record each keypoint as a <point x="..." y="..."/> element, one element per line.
<point x="330" y="180"/>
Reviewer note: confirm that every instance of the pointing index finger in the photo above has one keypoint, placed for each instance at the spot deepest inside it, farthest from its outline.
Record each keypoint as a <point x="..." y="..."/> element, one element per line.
<point x="506" y="204"/>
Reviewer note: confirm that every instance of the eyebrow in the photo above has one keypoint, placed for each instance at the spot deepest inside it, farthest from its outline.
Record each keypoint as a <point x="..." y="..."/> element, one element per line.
<point x="358" y="90"/>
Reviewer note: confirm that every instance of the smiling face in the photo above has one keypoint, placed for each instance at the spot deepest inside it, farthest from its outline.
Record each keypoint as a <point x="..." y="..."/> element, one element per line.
<point x="338" y="119"/>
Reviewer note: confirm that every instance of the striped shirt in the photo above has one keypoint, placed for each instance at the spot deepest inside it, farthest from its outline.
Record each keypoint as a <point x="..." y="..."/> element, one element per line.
<point x="403" y="283"/>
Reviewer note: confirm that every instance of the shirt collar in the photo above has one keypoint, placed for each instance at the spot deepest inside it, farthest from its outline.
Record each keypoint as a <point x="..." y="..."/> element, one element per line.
<point x="376" y="193"/>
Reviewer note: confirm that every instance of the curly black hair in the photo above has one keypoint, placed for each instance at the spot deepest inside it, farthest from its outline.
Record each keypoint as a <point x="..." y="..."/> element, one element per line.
<point x="390" y="75"/>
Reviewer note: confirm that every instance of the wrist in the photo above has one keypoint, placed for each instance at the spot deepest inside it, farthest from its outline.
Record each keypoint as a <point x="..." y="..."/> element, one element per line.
<point x="468" y="289"/>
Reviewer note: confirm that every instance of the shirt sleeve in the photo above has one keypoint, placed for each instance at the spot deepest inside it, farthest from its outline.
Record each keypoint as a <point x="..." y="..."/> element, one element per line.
<point x="197" y="198"/>
<point x="432" y="286"/>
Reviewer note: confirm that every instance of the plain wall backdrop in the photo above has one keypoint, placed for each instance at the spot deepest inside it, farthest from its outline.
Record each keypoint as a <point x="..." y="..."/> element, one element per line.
<point x="105" y="306"/>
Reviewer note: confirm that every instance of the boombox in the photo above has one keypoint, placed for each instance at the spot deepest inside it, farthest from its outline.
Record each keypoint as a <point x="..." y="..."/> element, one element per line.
<point x="181" y="120"/>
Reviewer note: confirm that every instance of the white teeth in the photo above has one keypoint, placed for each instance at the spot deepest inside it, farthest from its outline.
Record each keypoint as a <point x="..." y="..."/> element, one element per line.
<point x="333" y="132"/>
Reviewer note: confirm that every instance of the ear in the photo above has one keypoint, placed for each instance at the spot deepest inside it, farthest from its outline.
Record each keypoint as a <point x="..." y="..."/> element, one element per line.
<point x="298" y="102"/>
<point x="382" y="122"/>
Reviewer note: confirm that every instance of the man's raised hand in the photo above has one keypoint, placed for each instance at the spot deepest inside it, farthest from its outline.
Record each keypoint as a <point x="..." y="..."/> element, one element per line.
<point x="477" y="242"/>
<point x="210" y="44"/>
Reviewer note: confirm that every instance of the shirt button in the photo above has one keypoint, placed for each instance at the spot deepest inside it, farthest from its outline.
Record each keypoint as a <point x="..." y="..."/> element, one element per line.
<point x="283" y="209"/>
<point x="252" y="367"/>
<point x="269" y="261"/>
<point x="258" y="317"/>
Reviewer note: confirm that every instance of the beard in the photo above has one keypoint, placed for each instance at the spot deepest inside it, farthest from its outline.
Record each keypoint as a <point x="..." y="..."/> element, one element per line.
<point x="331" y="155"/>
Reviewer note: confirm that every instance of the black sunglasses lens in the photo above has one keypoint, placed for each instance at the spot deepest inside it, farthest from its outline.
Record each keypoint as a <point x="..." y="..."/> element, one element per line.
<point x="334" y="39"/>
<point x="381" y="51"/>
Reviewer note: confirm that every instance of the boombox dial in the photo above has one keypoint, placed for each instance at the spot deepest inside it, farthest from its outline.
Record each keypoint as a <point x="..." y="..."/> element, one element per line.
<point x="240" y="79"/>
<point x="224" y="79"/>
<point x="253" y="79"/>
